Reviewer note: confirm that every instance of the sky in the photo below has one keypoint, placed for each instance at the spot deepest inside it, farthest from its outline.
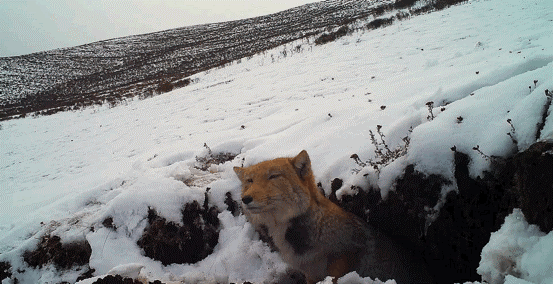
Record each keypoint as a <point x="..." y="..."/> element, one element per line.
<point x="29" y="26"/>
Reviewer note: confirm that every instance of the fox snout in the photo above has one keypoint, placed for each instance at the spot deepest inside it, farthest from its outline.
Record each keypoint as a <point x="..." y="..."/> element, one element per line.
<point x="251" y="205"/>
<point x="247" y="199"/>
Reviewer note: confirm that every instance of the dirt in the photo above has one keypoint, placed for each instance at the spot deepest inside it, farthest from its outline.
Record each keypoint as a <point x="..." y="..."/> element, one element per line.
<point x="117" y="279"/>
<point x="191" y="242"/>
<point x="51" y="250"/>
<point x="533" y="182"/>
<point x="450" y="240"/>
<point x="5" y="270"/>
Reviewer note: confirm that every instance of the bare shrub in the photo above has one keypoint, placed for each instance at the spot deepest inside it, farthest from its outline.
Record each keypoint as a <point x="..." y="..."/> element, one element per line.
<point x="328" y="37"/>
<point x="165" y="87"/>
<point x="401" y="4"/>
<point x="384" y="155"/>
<point x="381" y="22"/>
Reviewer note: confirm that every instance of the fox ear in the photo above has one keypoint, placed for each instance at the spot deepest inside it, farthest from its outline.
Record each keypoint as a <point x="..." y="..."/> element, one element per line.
<point x="302" y="164"/>
<point x="239" y="172"/>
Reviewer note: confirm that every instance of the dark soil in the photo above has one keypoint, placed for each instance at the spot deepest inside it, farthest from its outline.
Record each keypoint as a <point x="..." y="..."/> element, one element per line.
<point x="533" y="182"/>
<point x="5" y="270"/>
<point x="188" y="243"/>
<point x="452" y="239"/>
<point x="203" y="163"/>
<point x="88" y="274"/>
<point x="50" y="250"/>
<point x="233" y="206"/>
<point x="108" y="223"/>
<point x="117" y="279"/>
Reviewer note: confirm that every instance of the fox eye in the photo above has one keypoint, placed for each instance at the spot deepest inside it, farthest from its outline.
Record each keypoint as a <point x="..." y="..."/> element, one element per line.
<point x="272" y="176"/>
<point x="249" y="180"/>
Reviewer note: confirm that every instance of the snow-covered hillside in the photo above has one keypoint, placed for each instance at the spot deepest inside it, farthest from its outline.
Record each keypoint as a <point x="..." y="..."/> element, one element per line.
<point x="141" y="65"/>
<point x="480" y="64"/>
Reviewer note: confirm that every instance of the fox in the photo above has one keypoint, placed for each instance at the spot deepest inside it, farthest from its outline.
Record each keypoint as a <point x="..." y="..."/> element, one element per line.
<point x="312" y="234"/>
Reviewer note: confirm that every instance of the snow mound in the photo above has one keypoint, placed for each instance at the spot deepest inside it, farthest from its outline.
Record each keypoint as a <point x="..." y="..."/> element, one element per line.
<point x="518" y="253"/>
<point x="354" y="278"/>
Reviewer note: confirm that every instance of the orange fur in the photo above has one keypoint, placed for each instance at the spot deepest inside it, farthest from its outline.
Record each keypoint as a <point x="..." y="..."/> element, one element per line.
<point x="314" y="235"/>
<point x="306" y="227"/>
<point x="338" y="267"/>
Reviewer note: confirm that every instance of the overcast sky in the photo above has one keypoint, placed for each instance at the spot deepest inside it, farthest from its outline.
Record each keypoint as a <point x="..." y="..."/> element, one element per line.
<point x="28" y="26"/>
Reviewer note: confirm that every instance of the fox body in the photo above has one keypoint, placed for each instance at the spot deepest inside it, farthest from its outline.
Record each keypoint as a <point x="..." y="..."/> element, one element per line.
<point x="312" y="234"/>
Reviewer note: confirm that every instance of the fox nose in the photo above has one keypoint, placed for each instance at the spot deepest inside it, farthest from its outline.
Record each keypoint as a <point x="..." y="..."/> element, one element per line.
<point x="247" y="199"/>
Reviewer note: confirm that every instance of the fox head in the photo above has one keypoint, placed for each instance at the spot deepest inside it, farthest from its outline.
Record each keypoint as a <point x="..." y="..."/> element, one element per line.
<point x="283" y="187"/>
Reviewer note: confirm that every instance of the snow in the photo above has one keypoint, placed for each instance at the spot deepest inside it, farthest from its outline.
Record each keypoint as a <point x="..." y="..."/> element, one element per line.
<point x="517" y="253"/>
<point x="354" y="278"/>
<point x="72" y="170"/>
<point x="130" y="270"/>
<point x="513" y="280"/>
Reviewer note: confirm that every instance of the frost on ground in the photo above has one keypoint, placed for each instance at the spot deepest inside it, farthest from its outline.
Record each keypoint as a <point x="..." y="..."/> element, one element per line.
<point x="467" y="86"/>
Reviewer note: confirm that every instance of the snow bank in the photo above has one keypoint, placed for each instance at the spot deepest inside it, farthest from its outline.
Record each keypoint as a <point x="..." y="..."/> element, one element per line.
<point x="239" y="257"/>
<point x="354" y="278"/>
<point x="518" y="253"/>
<point x="480" y="120"/>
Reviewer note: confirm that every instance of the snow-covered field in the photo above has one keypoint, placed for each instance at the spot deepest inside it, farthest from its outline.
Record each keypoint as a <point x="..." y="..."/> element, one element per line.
<point x="480" y="64"/>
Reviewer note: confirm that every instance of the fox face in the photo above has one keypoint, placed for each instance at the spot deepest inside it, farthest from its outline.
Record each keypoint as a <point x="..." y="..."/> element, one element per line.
<point x="278" y="188"/>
